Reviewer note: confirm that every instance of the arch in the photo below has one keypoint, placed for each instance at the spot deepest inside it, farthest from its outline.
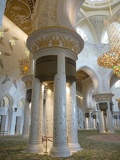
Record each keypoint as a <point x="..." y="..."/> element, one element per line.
<point x="113" y="79"/>
<point x="86" y="26"/>
<point x="90" y="100"/>
<point x="68" y="9"/>
<point x="7" y="101"/>
<point x="21" y="103"/>
<point x="93" y="76"/>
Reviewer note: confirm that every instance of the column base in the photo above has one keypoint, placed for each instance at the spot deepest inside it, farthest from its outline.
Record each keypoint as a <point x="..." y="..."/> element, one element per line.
<point x="103" y="131"/>
<point x="35" y="148"/>
<point x="60" y="151"/>
<point x="111" y="132"/>
<point x="74" y="147"/>
<point x="25" y="136"/>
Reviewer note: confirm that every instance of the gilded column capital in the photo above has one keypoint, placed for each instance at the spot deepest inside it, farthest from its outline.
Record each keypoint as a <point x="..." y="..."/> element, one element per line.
<point x="103" y="97"/>
<point x="28" y="80"/>
<point x="58" y="37"/>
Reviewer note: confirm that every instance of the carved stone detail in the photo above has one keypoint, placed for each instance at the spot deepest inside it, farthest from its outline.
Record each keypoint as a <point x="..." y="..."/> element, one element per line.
<point x="103" y="97"/>
<point x="98" y="24"/>
<point x="55" y="37"/>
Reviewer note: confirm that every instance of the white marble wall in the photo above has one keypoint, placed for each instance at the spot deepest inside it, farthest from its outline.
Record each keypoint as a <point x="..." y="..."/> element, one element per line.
<point x="12" y="49"/>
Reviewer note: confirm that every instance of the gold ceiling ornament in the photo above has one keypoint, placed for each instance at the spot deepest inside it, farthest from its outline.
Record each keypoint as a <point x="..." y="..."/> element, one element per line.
<point x="24" y="66"/>
<point x="19" y="12"/>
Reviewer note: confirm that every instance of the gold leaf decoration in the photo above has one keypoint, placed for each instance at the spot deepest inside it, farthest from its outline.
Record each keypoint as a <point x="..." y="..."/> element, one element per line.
<point x="24" y="66"/>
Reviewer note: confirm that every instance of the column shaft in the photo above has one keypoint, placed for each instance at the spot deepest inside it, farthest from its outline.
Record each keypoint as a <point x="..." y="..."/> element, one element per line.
<point x="49" y="113"/>
<point x="72" y="119"/>
<point x="60" y="148"/>
<point x="35" y="138"/>
<point x="110" y="126"/>
<point x="86" y="123"/>
<point x="26" y="124"/>
<point x="101" y="125"/>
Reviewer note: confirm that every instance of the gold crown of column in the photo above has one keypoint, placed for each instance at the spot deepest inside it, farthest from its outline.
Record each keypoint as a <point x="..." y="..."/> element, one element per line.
<point x="50" y="37"/>
<point x="103" y="97"/>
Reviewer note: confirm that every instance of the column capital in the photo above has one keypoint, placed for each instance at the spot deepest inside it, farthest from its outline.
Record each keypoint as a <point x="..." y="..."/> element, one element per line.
<point x="28" y="80"/>
<point x="50" y="37"/>
<point x="103" y="97"/>
<point x="89" y="109"/>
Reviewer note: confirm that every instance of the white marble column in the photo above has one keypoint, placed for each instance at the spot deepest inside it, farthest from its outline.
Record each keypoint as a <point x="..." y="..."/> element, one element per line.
<point x="72" y="119"/>
<point x="118" y="121"/>
<point x="49" y="113"/>
<point x="86" y="123"/>
<point x="26" y="124"/>
<point x="44" y="118"/>
<point x="109" y="119"/>
<point x="35" y="139"/>
<point x="3" y="124"/>
<point x="94" y="123"/>
<point x="90" y="121"/>
<point x="49" y="117"/>
<point x="10" y="117"/>
<point x="101" y="125"/>
<point x="60" y="148"/>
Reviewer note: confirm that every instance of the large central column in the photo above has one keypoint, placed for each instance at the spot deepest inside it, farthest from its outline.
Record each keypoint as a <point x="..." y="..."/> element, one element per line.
<point x="55" y="53"/>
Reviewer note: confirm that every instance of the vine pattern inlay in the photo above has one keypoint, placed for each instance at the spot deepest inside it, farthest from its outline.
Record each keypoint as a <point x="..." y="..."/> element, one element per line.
<point x="20" y="13"/>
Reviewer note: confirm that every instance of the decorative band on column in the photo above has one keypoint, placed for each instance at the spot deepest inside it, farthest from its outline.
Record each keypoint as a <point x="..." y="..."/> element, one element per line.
<point x="49" y="63"/>
<point x="87" y="115"/>
<point x="55" y="37"/>
<point x="103" y="106"/>
<point x="103" y="97"/>
<point x="70" y="69"/>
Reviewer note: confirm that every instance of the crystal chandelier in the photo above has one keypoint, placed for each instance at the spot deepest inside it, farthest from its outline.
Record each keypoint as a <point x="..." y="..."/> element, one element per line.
<point x="111" y="59"/>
